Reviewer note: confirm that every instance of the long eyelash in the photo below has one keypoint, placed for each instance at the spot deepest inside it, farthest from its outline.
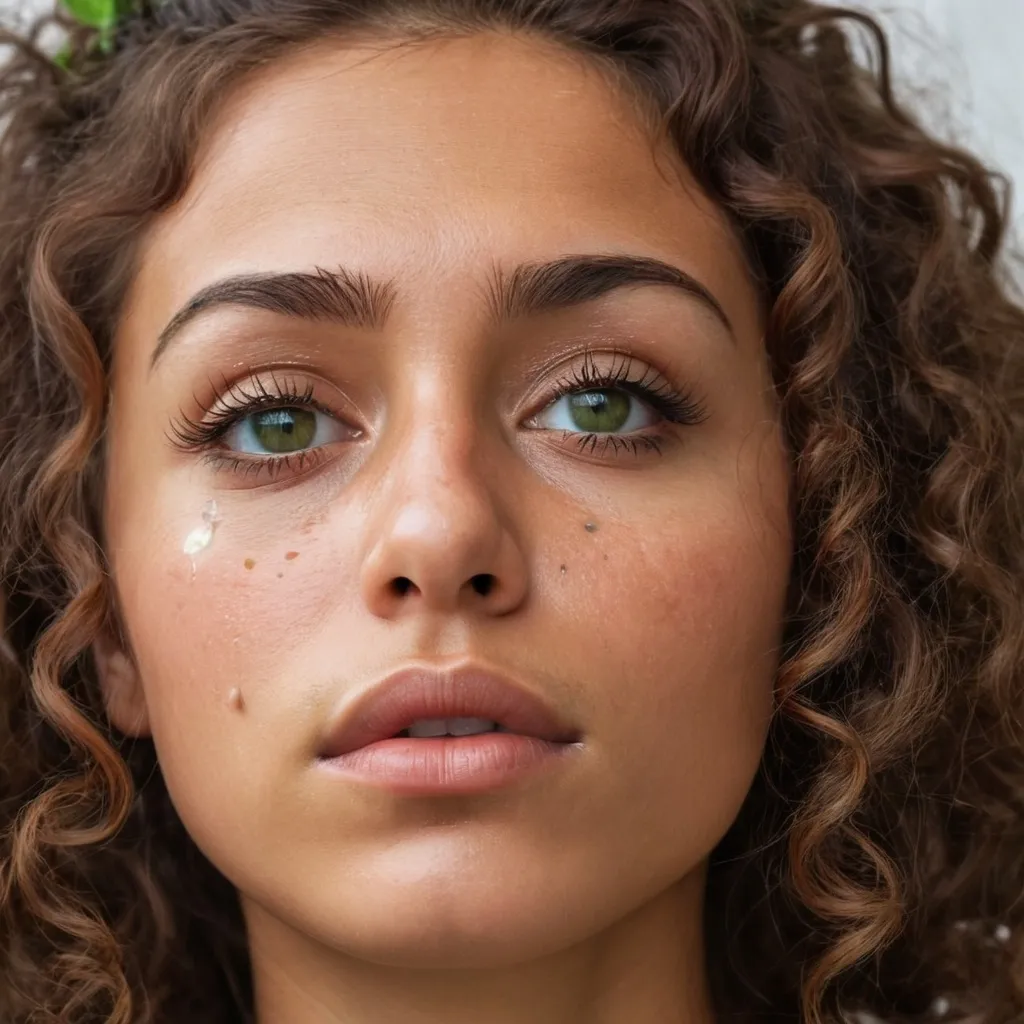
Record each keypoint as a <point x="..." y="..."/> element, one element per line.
<point x="270" y="466"/>
<point x="676" y="406"/>
<point x="237" y="402"/>
<point x="606" y="441"/>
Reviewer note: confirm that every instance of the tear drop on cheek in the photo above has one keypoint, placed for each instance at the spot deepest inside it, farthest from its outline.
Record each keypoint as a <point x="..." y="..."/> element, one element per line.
<point x="202" y="536"/>
<point x="235" y="700"/>
<point x="590" y="527"/>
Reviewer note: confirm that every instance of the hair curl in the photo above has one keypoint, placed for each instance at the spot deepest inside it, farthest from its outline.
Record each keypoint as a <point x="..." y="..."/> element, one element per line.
<point x="878" y="862"/>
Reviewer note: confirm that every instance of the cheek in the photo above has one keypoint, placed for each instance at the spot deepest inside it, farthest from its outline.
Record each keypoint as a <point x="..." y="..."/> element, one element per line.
<point x="259" y="596"/>
<point x="696" y="616"/>
<point x="253" y="597"/>
<point x="684" y="634"/>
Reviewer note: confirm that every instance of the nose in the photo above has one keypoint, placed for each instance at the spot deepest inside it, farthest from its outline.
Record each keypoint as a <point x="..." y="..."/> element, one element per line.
<point x="438" y="540"/>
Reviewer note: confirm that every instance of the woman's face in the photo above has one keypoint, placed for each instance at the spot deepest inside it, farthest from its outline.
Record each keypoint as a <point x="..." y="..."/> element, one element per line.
<point x="606" y="450"/>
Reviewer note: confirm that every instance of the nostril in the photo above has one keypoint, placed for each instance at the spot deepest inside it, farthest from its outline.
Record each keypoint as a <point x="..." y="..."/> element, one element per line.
<point x="483" y="583"/>
<point x="401" y="585"/>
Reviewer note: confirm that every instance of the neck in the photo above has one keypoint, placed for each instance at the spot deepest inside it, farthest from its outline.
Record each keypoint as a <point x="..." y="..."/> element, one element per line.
<point x="645" y="968"/>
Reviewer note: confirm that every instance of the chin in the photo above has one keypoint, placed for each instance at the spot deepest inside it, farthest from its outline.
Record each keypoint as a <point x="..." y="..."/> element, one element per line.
<point x="432" y="931"/>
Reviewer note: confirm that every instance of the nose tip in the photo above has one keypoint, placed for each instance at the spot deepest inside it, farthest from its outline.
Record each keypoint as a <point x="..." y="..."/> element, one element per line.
<point x="452" y="552"/>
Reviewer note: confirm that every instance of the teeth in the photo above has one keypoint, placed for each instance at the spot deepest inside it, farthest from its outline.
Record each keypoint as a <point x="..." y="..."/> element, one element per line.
<point x="427" y="727"/>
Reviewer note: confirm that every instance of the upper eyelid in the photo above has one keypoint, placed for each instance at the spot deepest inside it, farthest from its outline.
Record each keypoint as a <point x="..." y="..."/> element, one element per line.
<point x="249" y="394"/>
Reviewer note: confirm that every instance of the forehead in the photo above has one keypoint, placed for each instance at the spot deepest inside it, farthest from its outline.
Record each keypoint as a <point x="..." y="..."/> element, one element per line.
<point x="430" y="158"/>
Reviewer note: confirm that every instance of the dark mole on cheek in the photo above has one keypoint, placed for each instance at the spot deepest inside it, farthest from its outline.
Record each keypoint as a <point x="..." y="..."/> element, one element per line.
<point x="250" y="563"/>
<point x="590" y="527"/>
<point x="562" y="569"/>
<point x="291" y="555"/>
<point x="280" y="575"/>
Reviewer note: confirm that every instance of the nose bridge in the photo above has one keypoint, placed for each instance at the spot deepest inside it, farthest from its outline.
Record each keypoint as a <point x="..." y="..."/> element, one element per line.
<point x="438" y="536"/>
<point x="434" y="442"/>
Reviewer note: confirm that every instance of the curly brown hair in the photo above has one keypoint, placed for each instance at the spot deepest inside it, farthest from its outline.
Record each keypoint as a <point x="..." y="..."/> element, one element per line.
<point x="878" y="863"/>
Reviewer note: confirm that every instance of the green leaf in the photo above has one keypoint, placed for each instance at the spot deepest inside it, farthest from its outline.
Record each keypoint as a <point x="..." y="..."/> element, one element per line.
<point x="106" y="41"/>
<point x="63" y="57"/>
<point x="95" y="13"/>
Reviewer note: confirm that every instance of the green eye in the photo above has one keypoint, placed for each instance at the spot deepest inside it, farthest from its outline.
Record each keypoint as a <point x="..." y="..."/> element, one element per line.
<point x="279" y="431"/>
<point x="599" y="412"/>
<point x="284" y="430"/>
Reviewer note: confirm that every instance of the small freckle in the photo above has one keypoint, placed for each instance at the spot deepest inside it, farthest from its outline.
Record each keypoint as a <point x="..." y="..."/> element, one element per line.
<point x="250" y="563"/>
<point x="280" y="575"/>
<point x="291" y="555"/>
<point x="590" y="527"/>
<point x="307" y="526"/>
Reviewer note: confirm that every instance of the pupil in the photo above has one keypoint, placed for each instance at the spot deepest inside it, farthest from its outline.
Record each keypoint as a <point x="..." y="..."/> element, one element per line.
<point x="599" y="412"/>
<point x="280" y="431"/>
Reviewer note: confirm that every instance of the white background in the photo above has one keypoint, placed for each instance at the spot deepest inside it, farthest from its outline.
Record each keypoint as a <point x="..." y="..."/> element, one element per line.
<point x="967" y="55"/>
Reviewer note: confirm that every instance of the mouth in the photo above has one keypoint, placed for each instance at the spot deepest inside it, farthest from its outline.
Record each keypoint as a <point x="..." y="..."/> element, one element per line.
<point x="463" y="731"/>
<point x="432" y="728"/>
<point x="432" y="703"/>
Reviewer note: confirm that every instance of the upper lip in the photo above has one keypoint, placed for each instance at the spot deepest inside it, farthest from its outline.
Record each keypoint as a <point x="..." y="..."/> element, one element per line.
<point x="462" y="691"/>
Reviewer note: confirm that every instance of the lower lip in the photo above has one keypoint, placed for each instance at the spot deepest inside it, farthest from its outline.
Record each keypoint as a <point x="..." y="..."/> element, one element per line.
<point x="450" y="764"/>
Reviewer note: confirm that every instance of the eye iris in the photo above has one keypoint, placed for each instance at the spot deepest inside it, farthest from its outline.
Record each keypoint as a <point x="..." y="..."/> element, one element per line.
<point x="599" y="412"/>
<point x="284" y="430"/>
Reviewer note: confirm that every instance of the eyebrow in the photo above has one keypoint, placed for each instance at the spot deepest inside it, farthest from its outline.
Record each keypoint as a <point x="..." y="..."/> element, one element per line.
<point x="357" y="301"/>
